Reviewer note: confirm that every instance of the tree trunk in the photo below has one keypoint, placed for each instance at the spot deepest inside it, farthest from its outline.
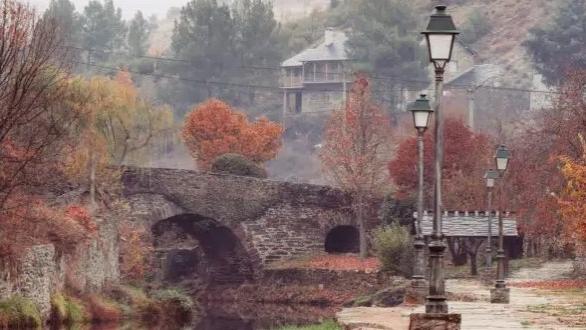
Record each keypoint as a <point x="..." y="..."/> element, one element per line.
<point x="473" y="265"/>
<point x="92" y="181"/>
<point x="361" y="227"/>
<point x="457" y="252"/>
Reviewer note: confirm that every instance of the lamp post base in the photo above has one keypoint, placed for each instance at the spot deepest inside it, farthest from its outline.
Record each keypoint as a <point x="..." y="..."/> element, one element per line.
<point x="500" y="295"/>
<point x="417" y="291"/>
<point x="425" y="321"/>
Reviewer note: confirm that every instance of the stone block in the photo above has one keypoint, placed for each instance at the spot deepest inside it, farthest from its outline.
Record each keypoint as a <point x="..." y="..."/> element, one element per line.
<point x="500" y="295"/>
<point x="424" y="321"/>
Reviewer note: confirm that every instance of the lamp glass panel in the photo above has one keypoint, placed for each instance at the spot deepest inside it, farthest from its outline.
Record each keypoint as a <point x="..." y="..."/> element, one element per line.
<point x="502" y="163"/>
<point x="421" y="119"/>
<point x="440" y="46"/>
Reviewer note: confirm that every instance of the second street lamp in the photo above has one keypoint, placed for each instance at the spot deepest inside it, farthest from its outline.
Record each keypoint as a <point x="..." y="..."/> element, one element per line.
<point x="421" y="110"/>
<point x="490" y="176"/>
<point x="500" y="293"/>
<point x="440" y="36"/>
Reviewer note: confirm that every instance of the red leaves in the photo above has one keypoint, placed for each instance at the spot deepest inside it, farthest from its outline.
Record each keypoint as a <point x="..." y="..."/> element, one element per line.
<point x="336" y="262"/>
<point x="552" y="284"/>
<point x="213" y="128"/>
<point x="466" y="156"/>
<point x="341" y="262"/>
<point x="81" y="215"/>
<point x="356" y="145"/>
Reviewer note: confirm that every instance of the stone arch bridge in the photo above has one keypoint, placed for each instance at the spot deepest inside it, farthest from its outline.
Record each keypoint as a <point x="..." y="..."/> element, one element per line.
<point x="227" y="228"/>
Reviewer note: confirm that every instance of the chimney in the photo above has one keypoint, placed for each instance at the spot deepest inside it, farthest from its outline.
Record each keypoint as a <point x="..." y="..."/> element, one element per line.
<point x="329" y="36"/>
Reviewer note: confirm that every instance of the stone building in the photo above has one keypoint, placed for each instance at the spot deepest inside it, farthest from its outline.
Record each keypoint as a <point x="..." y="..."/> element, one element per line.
<point x="317" y="79"/>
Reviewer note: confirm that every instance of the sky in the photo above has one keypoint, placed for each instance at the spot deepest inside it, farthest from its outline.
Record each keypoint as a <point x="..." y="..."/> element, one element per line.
<point x="129" y="7"/>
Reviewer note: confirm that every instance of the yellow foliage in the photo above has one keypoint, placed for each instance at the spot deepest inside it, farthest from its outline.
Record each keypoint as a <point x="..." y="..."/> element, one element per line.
<point x="573" y="199"/>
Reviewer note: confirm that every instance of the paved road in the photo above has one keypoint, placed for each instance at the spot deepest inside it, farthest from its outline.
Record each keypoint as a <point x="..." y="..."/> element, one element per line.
<point x="478" y="315"/>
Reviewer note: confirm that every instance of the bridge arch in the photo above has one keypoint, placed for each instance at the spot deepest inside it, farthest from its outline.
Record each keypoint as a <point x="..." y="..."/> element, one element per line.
<point x="194" y="247"/>
<point x="342" y="239"/>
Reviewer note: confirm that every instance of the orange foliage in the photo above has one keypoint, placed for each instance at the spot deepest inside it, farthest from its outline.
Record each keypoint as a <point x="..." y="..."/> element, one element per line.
<point x="552" y="284"/>
<point x="134" y="253"/>
<point x="341" y="262"/>
<point x="213" y="128"/>
<point x="27" y="221"/>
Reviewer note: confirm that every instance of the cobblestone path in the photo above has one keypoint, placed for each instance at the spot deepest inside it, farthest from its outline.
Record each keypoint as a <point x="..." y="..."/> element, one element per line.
<point x="480" y="314"/>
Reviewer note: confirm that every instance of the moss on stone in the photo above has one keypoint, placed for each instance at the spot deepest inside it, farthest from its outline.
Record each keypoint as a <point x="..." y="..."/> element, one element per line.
<point x="19" y="313"/>
<point x="237" y="164"/>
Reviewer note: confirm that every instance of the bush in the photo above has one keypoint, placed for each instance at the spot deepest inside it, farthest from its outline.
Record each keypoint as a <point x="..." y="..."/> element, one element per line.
<point x="394" y="249"/>
<point x="19" y="313"/>
<point x="236" y="164"/>
<point x="103" y="310"/>
<point x="58" y="309"/>
<point x="76" y="311"/>
<point x="327" y="325"/>
<point x="177" y="306"/>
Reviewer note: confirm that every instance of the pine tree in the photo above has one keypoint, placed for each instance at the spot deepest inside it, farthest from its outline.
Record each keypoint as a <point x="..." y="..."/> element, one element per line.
<point x="63" y="13"/>
<point x="383" y="42"/>
<point x="138" y="34"/>
<point x="560" y="46"/>
<point x="102" y="28"/>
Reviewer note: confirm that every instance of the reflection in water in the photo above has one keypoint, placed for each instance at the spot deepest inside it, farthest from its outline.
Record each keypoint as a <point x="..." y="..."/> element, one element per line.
<point x="231" y="317"/>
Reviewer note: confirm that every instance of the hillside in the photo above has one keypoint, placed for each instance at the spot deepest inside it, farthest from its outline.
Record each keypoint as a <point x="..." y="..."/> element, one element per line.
<point x="511" y="21"/>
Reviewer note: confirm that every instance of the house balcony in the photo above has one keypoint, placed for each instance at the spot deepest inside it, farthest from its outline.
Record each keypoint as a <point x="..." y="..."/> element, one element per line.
<point x="292" y="82"/>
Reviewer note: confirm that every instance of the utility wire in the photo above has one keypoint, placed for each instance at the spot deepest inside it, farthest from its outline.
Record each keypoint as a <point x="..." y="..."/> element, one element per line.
<point x="375" y="77"/>
<point x="222" y="83"/>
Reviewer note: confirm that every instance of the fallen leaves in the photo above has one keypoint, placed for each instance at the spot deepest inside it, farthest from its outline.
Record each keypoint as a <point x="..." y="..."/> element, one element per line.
<point x="552" y="284"/>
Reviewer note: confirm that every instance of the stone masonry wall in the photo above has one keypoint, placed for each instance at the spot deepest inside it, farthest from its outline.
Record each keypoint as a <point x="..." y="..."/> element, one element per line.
<point x="285" y="231"/>
<point x="42" y="271"/>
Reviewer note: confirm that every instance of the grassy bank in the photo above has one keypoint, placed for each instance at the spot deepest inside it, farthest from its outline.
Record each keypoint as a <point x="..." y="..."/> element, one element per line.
<point x="327" y="325"/>
<point x="123" y="303"/>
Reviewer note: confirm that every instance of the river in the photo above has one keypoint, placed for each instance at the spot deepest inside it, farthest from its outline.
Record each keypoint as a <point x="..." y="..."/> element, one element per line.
<point x="232" y="317"/>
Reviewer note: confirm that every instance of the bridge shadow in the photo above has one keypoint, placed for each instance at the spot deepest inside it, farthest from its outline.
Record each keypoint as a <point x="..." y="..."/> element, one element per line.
<point x="191" y="247"/>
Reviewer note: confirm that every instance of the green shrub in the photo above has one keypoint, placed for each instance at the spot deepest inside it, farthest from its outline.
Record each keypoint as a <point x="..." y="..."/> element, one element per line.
<point x="327" y="325"/>
<point x="236" y="164"/>
<point x="394" y="249"/>
<point x="19" y="313"/>
<point x="58" y="309"/>
<point x="76" y="311"/>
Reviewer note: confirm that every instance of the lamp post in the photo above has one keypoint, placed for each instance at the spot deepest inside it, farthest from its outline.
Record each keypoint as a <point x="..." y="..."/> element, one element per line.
<point x="490" y="176"/>
<point x="421" y="111"/>
<point x="500" y="293"/>
<point x="440" y="36"/>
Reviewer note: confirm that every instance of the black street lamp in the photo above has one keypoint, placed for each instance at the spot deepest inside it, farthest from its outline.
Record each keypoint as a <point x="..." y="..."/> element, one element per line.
<point x="421" y="111"/>
<point x="500" y="293"/>
<point x="440" y="36"/>
<point x="491" y="176"/>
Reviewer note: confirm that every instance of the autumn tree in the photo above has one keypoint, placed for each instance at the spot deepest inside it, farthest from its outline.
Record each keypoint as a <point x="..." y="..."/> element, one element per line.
<point x="213" y="128"/>
<point x="116" y="127"/>
<point x="32" y="122"/>
<point x="356" y="149"/>
<point x="536" y="183"/>
<point x="467" y="156"/>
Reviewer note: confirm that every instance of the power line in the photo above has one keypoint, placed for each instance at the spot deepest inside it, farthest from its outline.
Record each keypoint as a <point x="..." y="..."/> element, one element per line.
<point x="221" y="83"/>
<point x="375" y="77"/>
